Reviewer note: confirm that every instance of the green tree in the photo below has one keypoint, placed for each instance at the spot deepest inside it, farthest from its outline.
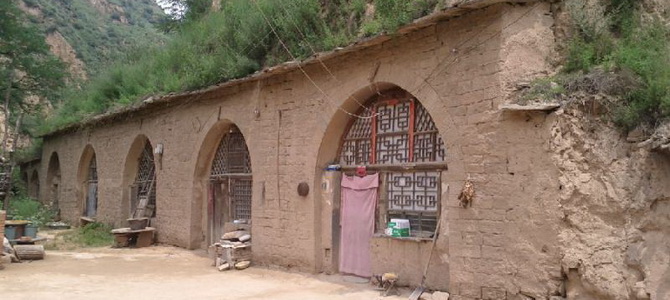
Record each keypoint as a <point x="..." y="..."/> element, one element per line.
<point x="27" y="67"/>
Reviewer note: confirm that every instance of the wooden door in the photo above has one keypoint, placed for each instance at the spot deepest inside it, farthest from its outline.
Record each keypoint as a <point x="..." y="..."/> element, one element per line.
<point x="92" y="200"/>
<point x="218" y="208"/>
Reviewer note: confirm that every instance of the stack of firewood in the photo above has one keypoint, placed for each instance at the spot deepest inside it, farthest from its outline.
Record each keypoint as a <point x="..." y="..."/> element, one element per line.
<point x="233" y="251"/>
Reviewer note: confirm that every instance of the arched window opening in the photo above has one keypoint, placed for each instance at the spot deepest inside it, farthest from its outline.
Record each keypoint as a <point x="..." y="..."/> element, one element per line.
<point x="92" y="189"/>
<point x="230" y="183"/>
<point x="144" y="187"/>
<point x="397" y="137"/>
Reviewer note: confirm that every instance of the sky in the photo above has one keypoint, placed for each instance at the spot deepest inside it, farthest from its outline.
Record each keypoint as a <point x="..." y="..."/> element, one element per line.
<point x="170" y="10"/>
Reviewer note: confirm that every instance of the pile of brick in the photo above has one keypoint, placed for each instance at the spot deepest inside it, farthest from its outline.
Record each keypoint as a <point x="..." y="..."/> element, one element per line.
<point x="233" y="251"/>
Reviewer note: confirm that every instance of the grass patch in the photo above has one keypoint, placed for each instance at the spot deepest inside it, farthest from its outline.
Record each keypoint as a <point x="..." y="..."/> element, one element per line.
<point x="90" y="235"/>
<point x="543" y="90"/>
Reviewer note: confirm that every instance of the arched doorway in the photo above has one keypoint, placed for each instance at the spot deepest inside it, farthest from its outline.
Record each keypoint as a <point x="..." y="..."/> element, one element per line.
<point x="53" y="185"/>
<point x="143" y="189"/>
<point x="87" y="177"/>
<point x="92" y="189"/>
<point x="397" y="141"/>
<point x="230" y="185"/>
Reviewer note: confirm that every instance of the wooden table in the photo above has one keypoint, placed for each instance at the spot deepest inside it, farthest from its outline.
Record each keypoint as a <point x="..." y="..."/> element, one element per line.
<point x="125" y="237"/>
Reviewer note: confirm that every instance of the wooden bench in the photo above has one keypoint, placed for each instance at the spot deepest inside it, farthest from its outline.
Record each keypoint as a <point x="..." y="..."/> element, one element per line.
<point x="125" y="237"/>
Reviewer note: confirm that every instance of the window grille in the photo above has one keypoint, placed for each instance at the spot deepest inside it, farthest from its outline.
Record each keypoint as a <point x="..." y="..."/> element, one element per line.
<point x="91" y="198"/>
<point x="232" y="156"/>
<point x="92" y="170"/>
<point x="414" y="196"/>
<point x="240" y="197"/>
<point x="232" y="163"/>
<point x="146" y="177"/>
<point x="401" y="132"/>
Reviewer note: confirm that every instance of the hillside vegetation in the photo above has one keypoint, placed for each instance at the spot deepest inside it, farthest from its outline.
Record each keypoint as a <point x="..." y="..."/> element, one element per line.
<point x="208" y="47"/>
<point x="99" y="31"/>
<point x="28" y="71"/>
<point x="618" y="50"/>
<point x="215" y="46"/>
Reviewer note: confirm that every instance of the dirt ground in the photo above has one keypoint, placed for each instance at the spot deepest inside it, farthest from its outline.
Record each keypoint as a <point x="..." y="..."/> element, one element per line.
<point x="162" y="272"/>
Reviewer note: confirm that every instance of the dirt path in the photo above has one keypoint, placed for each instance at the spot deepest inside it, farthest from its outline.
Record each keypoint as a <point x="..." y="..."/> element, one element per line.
<point x="164" y="273"/>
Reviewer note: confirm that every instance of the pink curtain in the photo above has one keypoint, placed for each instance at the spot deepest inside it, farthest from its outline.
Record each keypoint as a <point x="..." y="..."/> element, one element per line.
<point x="359" y="199"/>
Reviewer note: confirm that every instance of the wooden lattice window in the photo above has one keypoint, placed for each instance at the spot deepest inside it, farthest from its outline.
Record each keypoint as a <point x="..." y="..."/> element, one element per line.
<point x="232" y="167"/>
<point x="92" y="170"/>
<point x="394" y="135"/>
<point x="145" y="181"/>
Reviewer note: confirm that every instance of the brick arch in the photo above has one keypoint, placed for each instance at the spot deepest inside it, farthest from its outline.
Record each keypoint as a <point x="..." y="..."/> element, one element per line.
<point x="201" y="177"/>
<point x="332" y="139"/>
<point x="130" y="170"/>
<point x="87" y="157"/>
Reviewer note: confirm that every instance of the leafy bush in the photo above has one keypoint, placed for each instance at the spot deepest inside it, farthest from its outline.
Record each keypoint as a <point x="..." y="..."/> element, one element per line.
<point x="25" y="208"/>
<point x="614" y="37"/>
<point x="391" y="14"/>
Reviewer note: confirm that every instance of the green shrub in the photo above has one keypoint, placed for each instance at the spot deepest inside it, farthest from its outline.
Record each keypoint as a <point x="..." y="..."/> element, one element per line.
<point x="91" y="235"/>
<point x="25" y="208"/>
<point x="627" y="45"/>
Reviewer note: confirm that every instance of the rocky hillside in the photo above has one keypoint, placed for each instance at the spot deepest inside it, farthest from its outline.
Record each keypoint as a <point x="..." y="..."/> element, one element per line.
<point x="88" y="34"/>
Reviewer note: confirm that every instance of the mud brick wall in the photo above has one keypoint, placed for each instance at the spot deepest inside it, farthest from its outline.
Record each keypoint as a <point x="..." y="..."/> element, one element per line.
<point x="461" y="70"/>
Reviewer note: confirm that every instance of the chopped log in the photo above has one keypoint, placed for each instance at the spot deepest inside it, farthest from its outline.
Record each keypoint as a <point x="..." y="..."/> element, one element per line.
<point x="29" y="252"/>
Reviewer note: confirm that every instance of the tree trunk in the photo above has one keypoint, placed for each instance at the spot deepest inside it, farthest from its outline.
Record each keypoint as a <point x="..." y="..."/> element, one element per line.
<point x="11" y="162"/>
<point x="8" y="95"/>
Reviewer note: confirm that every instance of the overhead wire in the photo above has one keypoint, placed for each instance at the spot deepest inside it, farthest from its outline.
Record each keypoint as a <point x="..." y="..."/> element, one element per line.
<point x="316" y="55"/>
<point x="456" y="51"/>
<point x="309" y="78"/>
<point x="425" y="81"/>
